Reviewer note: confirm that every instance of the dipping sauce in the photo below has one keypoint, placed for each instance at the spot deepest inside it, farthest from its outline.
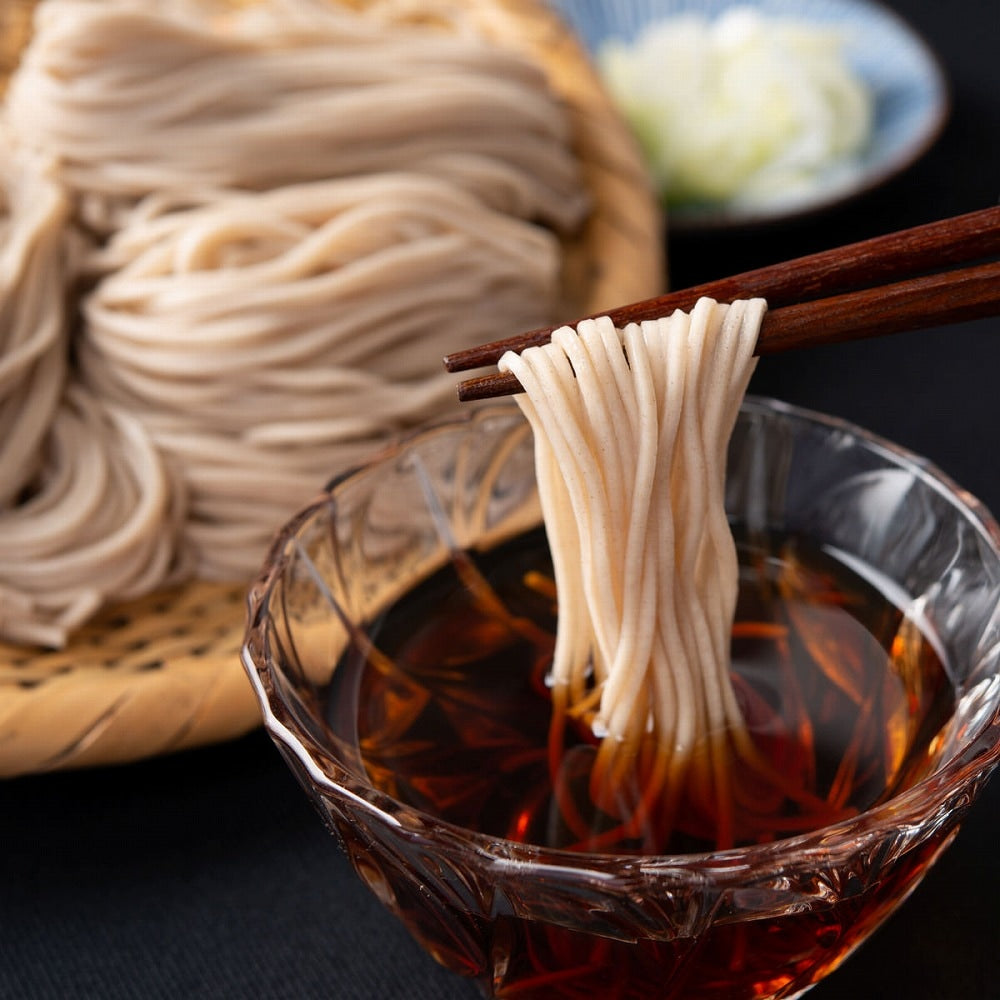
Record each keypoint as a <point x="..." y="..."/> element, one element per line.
<point x="842" y="694"/>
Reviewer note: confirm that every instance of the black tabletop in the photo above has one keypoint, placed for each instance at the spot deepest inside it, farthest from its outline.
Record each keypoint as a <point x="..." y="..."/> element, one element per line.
<point x="208" y="874"/>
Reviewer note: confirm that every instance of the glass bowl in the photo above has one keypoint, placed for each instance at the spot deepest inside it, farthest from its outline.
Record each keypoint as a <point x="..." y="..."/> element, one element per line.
<point x="767" y="920"/>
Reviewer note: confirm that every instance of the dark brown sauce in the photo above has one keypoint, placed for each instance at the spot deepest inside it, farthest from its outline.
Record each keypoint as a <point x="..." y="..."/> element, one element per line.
<point x="841" y="693"/>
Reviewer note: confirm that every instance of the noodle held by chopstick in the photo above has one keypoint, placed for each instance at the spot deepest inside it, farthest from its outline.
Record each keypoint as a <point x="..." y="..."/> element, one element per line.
<point x="631" y="431"/>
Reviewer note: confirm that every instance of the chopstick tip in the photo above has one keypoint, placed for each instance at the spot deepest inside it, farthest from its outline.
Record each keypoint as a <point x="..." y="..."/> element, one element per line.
<point x="491" y="386"/>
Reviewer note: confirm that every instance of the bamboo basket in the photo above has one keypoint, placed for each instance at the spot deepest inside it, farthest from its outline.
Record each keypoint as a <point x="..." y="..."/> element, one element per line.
<point x="163" y="673"/>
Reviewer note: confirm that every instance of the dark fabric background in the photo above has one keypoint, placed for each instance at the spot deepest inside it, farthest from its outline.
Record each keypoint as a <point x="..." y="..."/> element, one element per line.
<point x="208" y="875"/>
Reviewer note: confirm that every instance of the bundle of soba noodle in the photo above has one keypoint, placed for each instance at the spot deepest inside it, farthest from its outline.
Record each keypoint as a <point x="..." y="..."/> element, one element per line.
<point x="631" y="431"/>
<point x="86" y="505"/>
<point x="246" y="237"/>
<point x="285" y="367"/>
<point x="131" y="97"/>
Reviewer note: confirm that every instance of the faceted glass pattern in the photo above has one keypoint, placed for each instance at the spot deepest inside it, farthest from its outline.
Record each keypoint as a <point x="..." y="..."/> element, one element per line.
<point x="760" y="922"/>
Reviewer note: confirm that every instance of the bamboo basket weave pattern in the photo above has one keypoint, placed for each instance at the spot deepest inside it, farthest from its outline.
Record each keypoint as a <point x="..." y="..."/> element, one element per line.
<point x="163" y="673"/>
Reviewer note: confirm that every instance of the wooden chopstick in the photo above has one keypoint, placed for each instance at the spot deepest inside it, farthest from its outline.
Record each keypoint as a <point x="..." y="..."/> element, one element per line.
<point x="950" y="296"/>
<point x="855" y="302"/>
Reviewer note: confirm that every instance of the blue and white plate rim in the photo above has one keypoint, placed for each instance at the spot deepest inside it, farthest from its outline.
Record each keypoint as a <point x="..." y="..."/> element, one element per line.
<point x="912" y="95"/>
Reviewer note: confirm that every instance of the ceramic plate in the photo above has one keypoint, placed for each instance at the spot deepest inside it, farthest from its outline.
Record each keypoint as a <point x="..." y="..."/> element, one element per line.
<point x="911" y="95"/>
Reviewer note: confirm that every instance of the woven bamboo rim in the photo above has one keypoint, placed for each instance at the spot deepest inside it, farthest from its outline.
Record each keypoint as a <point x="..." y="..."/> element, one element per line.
<point x="163" y="673"/>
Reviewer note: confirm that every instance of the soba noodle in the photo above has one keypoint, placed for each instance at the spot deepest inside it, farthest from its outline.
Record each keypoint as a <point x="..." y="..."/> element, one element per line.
<point x="631" y="430"/>
<point x="245" y="237"/>
<point x="255" y="332"/>
<point x="133" y="98"/>
<point x="32" y="322"/>
<point x="85" y="503"/>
